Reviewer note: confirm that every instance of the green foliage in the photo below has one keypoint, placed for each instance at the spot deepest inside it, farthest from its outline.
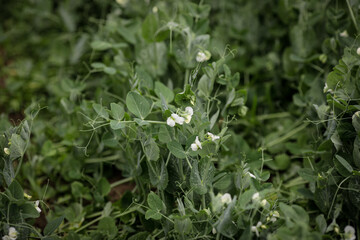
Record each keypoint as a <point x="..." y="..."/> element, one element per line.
<point x="180" y="119"/>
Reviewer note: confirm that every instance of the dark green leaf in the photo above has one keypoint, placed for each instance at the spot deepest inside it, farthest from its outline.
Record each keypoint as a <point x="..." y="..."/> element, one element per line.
<point x="17" y="147"/>
<point x="161" y="89"/>
<point x="117" y="111"/>
<point x="16" y="190"/>
<point x="153" y="214"/>
<point x="53" y="225"/>
<point x="176" y="149"/>
<point x="100" y="45"/>
<point x="138" y="105"/>
<point x="151" y="149"/>
<point x="154" y="202"/>
<point x="100" y="110"/>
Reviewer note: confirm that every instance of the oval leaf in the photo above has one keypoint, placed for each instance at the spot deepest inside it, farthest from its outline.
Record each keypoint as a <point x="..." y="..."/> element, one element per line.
<point x="138" y="105"/>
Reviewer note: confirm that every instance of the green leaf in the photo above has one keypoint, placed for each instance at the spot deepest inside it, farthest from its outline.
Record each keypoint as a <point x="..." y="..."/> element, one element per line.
<point x="333" y="79"/>
<point x="183" y="226"/>
<point x="163" y="178"/>
<point x="100" y="45"/>
<point x="151" y="149"/>
<point x="294" y="213"/>
<point x="225" y="225"/>
<point x="344" y="164"/>
<point x="28" y="211"/>
<point x="356" y="151"/>
<point x="176" y="149"/>
<point x="161" y="89"/>
<point x="321" y="223"/>
<point x="109" y="70"/>
<point x="356" y="121"/>
<point x="149" y="27"/>
<point x="100" y="110"/>
<point x="53" y="225"/>
<point x="187" y="97"/>
<point x="153" y="214"/>
<point x="214" y="118"/>
<point x="141" y="122"/>
<point x="103" y="187"/>
<point x="307" y="174"/>
<point x="117" y="124"/>
<point x="323" y="197"/>
<point x="335" y="138"/>
<point x="164" y="134"/>
<point x="153" y="58"/>
<point x="17" y="147"/>
<point x="16" y="190"/>
<point x="98" y="65"/>
<point x="222" y="181"/>
<point x="201" y="176"/>
<point x="354" y="196"/>
<point x="107" y="226"/>
<point x="117" y="111"/>
<point x="144" y="78"/>
<point x="155" y="203"/>
<point x="138" y="105"/>
<point x="282" y="161"/>
<point x="205" y="86"/>
<point x="139" y="236"/>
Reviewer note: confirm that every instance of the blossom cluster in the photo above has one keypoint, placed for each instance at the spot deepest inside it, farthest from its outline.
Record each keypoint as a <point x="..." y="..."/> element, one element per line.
<point x="197" y="144"/>
<point x="12" y="235"/>
<point x="184" y="117"/>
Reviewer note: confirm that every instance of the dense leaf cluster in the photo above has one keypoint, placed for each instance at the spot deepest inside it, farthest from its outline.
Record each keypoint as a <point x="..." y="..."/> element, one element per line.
<point x="209" y="119"/>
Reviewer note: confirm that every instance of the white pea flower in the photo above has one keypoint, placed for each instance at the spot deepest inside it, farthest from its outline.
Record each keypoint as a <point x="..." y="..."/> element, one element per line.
<point x="273" y="216"/>
<point x="344" y="34"/>
<point x="255" y="229"/>
<point x="200" y="57"/>
<point x="196" y="145"/>
<point x="174" y="118"/>
<point x="214" y="230"/>
<point x="36" y="204"/>
<point x="327" y="89"/>
<point x="264" y="203"/>
<point x="251" y="175"/>
<point x="188" y="114"/>
<point x="203" y="56"/>
<point x="358" y="51"/>
<point x="155" y="9"/>
<point x="12" y="234"/>
<point x="213" y="136"/>
<point x="256" y="197"/>
<point x="226" y="198"/>
<point x="170" y="122"/>
<point x="7" y="151"/>
<point x="349" y="233"/>
<point x="189" y="111"/>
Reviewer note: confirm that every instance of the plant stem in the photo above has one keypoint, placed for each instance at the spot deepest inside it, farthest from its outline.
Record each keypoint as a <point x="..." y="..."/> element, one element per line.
<point x="203" y="201"/>
<point x="273" y="115"/>
<point x="352" y="15"/>
<point x="188" y="162"/>
<point x="332" y="203"/>
<point x="187" y="72"/>
<point x="122" y="181"/>
<point x="180" y="165"/>
<point x="89" y="224"/>
<point x="286" y="136"/>
<point x="104" y="159"/>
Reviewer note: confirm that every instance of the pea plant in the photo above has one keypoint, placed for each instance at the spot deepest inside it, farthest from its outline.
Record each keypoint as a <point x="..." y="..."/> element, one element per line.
<point x="180" y="120"/>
